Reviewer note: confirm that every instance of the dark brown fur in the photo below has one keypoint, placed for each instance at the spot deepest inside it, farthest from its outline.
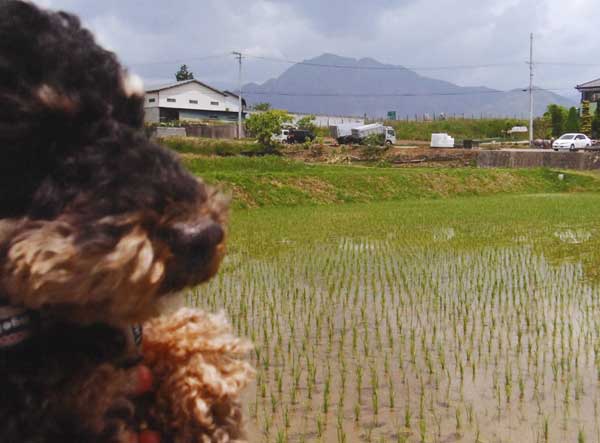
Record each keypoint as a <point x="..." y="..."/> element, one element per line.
<point x="96" y="225"/>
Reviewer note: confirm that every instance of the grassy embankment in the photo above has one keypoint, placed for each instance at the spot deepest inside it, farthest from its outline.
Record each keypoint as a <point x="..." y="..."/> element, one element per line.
<point x="459" y="129"/>
<point x="275" y="181"/>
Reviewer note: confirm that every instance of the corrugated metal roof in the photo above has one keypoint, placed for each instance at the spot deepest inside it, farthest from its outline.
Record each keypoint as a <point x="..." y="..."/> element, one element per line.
<point x="590" y="85"/>
<point x="184" y="82"/>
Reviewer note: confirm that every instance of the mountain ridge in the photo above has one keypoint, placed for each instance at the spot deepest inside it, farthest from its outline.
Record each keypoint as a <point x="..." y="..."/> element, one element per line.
<point x="332" y="84"/>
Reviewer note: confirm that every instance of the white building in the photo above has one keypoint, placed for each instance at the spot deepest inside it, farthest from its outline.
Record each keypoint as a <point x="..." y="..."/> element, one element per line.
<point x="325" y="121"/>
<point x="190" y="100"/>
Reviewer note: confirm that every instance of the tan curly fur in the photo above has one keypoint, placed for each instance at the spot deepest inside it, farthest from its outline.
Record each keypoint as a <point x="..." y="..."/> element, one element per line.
<point x="196" y="361"/>
<point x="46" y="266"/>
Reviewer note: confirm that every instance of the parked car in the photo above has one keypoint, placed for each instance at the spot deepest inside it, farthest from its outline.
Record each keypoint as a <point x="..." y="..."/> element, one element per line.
<point x="299" y="136"/>
<point x="282" y="137"/>
<point x="572" y="142"/>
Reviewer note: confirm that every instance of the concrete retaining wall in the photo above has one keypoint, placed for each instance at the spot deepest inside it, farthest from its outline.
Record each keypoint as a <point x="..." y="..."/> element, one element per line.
<point x="539" y="159"/>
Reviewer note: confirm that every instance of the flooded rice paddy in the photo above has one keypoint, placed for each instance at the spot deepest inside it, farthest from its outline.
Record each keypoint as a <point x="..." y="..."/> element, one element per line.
<point x="406" y="331"/>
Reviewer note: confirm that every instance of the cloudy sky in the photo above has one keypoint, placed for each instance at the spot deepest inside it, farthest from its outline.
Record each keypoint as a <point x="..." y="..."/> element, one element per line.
<point x="154" y="38"/>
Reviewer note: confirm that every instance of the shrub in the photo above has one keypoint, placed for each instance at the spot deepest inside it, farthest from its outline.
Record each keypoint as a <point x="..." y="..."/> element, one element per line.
<point x="307" y="123"/>
<point x="586" y="118"/>
<point x="265" y="124"/>
<point x="373" y="140"/>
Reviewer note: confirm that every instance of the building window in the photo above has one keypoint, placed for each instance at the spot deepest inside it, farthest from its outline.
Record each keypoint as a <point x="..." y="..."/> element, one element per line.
<point x="194" y="102"/>
<point x="214" y="103"/>
<point x="151" y="100"/>
<point x="171" y="100"/>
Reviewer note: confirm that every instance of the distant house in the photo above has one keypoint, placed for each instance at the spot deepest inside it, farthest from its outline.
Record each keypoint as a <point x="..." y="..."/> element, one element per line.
<point x="590" y="91"/>
<point x="190" y="100"/>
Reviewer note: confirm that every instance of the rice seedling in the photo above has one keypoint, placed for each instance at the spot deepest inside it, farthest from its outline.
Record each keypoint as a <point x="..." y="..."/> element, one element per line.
<point x="371" y="324"/>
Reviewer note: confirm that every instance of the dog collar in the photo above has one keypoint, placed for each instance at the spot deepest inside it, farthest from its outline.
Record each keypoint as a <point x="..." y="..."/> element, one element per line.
<point x="16" y="325"/>
<point x="137" y="333"/>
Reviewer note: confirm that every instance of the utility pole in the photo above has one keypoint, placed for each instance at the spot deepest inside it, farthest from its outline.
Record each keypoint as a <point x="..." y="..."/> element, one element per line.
<point x="531" y="90"/>
<point x="239" y="57"/>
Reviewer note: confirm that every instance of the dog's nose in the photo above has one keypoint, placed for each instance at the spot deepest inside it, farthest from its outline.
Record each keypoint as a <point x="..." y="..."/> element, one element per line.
<point x="196" y="241"/>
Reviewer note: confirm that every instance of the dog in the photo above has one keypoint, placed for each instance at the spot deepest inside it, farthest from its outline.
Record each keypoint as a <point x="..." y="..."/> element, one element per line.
<point x="97" y="227"/>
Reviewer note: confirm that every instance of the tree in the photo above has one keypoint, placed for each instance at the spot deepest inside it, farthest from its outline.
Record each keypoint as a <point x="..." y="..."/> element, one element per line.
<point x="557" y="115"/>
<point x="184" y="74"/>
<point x="262" y="106"/>
<point x="542" y="128"/>
<point x="572" y="124"/>
<point x="264" y="125"/>
<point x="586" y="118"/>
<point x="307" y="123"/>
<point x="596" y="123"/>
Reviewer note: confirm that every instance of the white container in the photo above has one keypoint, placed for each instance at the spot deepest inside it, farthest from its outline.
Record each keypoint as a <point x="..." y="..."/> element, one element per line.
<point x="441" y="141"/>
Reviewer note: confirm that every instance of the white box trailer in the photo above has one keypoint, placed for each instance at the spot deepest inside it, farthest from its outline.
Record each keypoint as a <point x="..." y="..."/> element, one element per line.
<point x="341" y="133"/>
<point x="441" y="141"/>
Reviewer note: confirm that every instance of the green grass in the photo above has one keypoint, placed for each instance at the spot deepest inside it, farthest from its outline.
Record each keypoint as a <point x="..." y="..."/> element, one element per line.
<point x="275" y="181"/>
<point x="459" y="129"/>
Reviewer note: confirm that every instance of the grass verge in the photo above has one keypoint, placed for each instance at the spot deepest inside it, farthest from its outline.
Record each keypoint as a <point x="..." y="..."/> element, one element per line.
<point x="275" y="181"/>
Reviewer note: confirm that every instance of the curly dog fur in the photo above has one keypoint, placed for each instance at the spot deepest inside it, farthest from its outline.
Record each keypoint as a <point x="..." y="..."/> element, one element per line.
<point x="97" y="225"/>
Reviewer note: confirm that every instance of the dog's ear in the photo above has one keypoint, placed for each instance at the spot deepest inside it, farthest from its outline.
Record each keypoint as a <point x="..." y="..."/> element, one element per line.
<point x="54" y="100"/>
<point x="113" y="278"/>
<point x="132" y="85"/>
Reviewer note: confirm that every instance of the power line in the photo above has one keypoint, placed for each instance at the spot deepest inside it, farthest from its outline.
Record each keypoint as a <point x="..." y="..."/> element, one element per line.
<point x="399" y="94"/>
<point x="569" y="64"/>
<point x="186" y="60"/>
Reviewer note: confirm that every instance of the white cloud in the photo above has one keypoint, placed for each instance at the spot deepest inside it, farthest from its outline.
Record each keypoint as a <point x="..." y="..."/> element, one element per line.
<point x="405" y="32"/>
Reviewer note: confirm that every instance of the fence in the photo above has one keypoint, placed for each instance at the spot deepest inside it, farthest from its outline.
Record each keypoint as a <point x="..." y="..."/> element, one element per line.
<point x="213" y="131"/>
<point x="204" y="131"/>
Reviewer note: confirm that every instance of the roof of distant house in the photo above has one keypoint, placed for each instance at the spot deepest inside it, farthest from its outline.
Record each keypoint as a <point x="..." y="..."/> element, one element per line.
<point x="594" y="84"/>
<point x="185" y="82"/>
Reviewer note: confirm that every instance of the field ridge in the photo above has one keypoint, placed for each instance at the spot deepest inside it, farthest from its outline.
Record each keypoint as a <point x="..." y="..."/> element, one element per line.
<point x="276" y="181"/>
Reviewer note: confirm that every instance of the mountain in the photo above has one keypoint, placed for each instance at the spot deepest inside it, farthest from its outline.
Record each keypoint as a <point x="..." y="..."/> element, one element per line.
<point x="330" y="84"/>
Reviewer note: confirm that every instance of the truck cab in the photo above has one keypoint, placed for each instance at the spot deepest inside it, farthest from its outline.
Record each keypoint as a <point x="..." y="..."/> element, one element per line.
<point x="390" y="136"/>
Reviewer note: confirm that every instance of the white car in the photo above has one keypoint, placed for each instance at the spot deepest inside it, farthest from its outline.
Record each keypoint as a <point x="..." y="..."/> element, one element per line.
<point x="282" y="136"/>
<point x="572" y="142"/>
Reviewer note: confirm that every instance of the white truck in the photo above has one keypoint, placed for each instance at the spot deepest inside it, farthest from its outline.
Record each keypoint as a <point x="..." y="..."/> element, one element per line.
<point x="283" y="133"/>
<point x="361" y="132"/>
<point x="356" y="134"/>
